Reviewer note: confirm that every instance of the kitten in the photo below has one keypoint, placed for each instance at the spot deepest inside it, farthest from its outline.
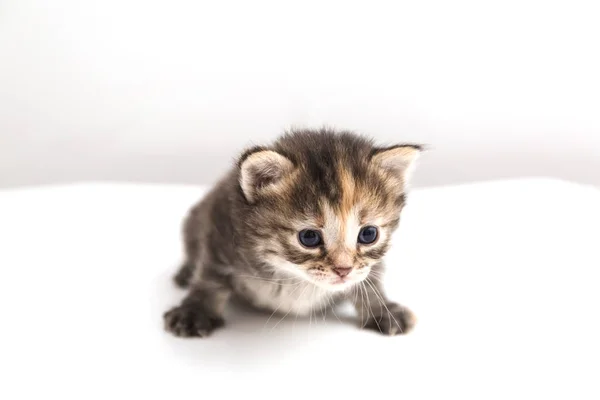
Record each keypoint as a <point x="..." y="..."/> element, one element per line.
<point x="292" y="227"/>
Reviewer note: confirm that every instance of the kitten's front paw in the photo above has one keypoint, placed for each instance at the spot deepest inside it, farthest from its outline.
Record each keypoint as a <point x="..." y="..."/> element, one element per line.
<point x="190" y="321"/>
<point x="396" y="320"/>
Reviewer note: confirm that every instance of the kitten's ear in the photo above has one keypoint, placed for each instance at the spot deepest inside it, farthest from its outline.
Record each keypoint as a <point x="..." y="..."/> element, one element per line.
<point x="399" y="160"/>
<point x="262" y="170"/>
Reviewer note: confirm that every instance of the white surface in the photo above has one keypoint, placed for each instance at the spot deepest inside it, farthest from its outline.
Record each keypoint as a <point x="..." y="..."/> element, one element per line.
<point x="503" y="277"/>
<point x="169" y="90"/>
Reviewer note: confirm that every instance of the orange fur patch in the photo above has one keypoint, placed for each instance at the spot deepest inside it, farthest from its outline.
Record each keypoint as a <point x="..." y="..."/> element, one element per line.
<point x="348" y="188"/>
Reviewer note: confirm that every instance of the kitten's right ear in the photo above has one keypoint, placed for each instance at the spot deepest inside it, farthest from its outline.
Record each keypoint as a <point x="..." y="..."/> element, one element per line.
<point x="262" y="171"/>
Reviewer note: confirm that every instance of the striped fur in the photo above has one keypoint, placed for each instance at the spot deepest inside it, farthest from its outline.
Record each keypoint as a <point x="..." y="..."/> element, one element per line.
<point x="242" y="238"/>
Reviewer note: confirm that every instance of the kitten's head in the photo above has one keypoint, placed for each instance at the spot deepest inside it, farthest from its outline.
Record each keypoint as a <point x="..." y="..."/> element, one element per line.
<point x="322" y="205"/>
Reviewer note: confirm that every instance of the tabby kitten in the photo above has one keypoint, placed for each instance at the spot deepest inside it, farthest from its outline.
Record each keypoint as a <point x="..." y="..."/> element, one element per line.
<point x="294" y="226"/>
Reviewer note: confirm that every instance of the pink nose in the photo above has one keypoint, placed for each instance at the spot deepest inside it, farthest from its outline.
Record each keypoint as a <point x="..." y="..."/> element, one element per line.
<point x="342" y="271"/>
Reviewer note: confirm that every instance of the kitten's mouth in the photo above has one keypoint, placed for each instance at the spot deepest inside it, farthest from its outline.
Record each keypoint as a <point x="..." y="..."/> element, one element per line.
<point x="338" y="283"/>
<point x="335" y="282"/>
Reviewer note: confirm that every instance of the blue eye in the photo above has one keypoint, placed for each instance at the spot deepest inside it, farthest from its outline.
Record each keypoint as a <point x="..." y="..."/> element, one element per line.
<point x="367" y="235"/>
<point x="310" y="238"/>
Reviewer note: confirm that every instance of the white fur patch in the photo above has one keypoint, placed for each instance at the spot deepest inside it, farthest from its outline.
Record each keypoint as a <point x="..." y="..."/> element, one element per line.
<point x="287" y="296"/>
<point x="287" y="292"/>
<point x="352" y="229"/>
<point x="331" y="227"/>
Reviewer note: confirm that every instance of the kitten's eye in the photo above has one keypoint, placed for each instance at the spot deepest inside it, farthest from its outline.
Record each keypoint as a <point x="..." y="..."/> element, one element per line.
<point x="310" y="238"/>
<point x="367" y="235"/>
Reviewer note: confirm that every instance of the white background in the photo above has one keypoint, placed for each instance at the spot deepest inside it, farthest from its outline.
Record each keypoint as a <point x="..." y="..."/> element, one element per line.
<point x="504" y="286"/>
<point x="502" y="276"/>
<point x="169" y="91"/>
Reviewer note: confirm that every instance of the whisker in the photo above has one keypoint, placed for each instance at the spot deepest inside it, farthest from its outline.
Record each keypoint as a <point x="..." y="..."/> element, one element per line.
<point x="355" y="288"/>
<point x="370" y="309"/>
<point x="274" y="311"/>
<point x="278" y="322"/>
<point x="331" y="302"/>
<point x="378" y="294"/>
<point x="363" y="321"/>
<point x="271" y="280"/>
<point x="376" y="273"/>
<point x="378" y="298"/>
<point x="380" y="305"/>
<point x="286" y="314"/>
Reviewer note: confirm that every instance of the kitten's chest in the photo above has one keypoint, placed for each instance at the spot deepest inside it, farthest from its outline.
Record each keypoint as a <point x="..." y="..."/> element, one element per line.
<point x="297" y="298"/>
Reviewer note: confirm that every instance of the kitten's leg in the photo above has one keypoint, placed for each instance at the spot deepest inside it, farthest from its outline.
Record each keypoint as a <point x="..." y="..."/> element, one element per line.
<point x="192" y="249"/>
<point x="200" y="313"/>
<point x="184" y="274"/>
<point x="377" y="312"/>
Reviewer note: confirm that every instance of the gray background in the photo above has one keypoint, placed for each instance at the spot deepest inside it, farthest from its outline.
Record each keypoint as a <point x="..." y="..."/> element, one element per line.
<point x="171" y="91"/>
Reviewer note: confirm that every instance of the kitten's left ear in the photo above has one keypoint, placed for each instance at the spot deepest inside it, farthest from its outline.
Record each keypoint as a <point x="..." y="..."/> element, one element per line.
<point x="400" y="160"/>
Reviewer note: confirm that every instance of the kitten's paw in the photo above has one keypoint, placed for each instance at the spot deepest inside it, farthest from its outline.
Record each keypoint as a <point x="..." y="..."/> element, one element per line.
<point x="190" y="321"/>
<point x="396" y="320"/>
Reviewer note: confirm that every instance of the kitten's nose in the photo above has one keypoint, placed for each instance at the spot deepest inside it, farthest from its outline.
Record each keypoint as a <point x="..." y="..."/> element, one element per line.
<point x="342" y="271"/>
